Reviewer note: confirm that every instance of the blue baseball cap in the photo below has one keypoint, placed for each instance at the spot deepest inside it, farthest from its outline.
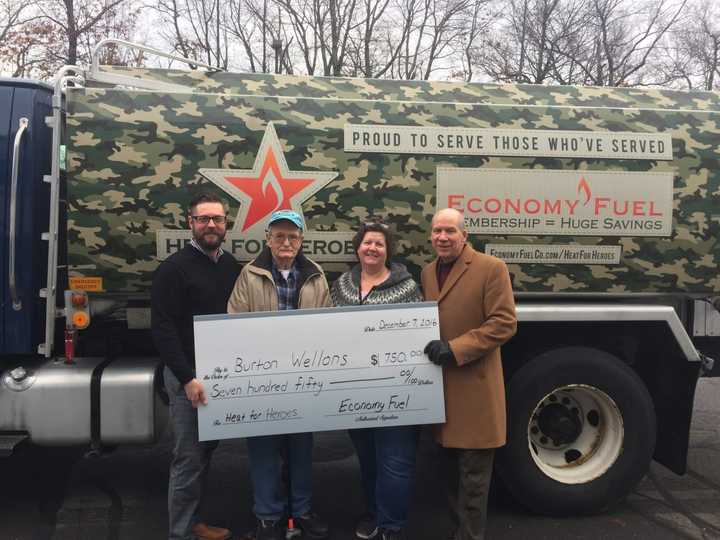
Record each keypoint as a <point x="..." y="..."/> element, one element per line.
<point x="287" y="215"/>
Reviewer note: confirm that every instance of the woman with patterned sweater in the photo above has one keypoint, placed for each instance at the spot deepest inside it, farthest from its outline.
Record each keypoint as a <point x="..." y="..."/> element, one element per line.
<point x="386" y="454"/>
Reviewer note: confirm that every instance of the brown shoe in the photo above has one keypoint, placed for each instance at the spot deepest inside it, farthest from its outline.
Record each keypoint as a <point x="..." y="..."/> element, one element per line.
<point x="203" y="531"/>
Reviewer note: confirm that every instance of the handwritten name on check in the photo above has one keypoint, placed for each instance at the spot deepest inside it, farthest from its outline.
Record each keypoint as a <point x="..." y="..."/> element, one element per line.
<point x="315" y="370"/>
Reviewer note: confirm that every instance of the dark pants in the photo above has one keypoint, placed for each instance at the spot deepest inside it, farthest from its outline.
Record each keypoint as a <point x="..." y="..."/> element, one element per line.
<point x="469" y="472"/>
<point x="387" y="468"/>
<point x="189" y="465"/>
<point x="266" y="472"/>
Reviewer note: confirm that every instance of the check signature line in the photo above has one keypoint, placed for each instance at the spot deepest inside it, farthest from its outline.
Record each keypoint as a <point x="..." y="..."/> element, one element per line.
<point x="363" y="380"/>
<point x="378" y="412"/>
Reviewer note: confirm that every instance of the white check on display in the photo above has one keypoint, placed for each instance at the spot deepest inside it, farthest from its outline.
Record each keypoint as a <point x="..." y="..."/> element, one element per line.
<point x="316" y="370"/>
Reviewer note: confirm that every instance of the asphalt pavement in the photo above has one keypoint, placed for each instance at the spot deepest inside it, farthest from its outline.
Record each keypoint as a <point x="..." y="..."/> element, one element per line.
<point x="57" y="494"/>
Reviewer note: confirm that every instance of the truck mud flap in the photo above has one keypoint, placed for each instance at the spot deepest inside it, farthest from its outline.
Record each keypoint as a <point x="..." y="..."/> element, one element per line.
<point x="8" y="442"/>
<point x="710" y="367"/>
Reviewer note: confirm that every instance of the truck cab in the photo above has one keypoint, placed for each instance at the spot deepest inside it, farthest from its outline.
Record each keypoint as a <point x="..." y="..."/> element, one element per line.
<point x="24" y="160"/>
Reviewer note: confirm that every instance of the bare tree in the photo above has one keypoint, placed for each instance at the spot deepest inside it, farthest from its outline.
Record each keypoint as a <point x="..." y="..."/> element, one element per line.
<point x="171" y="21"/>
<point x="537" y="42"/>
<point x="623" y="37"/>
<point x="196" y="29"/>
<point x="301" y="18"/>
<point x="322" y="29"/>
<point x="245" y="24"/>
<point x="472" y="50"/>
<point x="366" y="53"/>
<point x="79" y="22"/>
<point x="15" y="38"/>
<point x="692" y="52"/>
<point x="65" y="32"/>
<point x="446" y="29"/>
<point x="207" y="22"/>
<point x="11" y="16"/>
<point x="435" y="30"/>
<point x="24" y="52"/>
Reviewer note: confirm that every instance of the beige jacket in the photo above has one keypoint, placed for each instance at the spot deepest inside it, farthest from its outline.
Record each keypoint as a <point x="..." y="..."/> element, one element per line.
<point x="255" y="287"/>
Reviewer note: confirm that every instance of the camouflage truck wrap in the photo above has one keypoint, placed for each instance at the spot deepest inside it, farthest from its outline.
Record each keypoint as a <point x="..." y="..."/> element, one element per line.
<point x="586" y="190"/>
<point x="601" y="200"/>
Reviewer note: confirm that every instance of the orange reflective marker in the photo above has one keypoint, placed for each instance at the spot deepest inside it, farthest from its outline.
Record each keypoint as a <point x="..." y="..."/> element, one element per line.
<point x="80" y="319"/>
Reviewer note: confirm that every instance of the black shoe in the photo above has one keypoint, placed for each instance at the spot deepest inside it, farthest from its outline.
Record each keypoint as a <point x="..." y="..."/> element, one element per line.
<point x="388" y="534"/>
<point x="312" y="526"/>
<point x="269" y="530"/>
<point x="366" y="527"/>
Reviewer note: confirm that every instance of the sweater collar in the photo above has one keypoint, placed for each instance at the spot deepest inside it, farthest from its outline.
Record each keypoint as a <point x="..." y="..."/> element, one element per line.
<point x="398" y="273"/>
<point x="214" y="259"/>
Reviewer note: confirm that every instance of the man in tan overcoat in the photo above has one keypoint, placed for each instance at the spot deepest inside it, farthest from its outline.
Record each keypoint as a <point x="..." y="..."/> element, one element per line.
<point x="477" y="315"/>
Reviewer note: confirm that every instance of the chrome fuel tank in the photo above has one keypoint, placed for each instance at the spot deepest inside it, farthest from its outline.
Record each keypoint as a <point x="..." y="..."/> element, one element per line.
<point x="56" y="405"/>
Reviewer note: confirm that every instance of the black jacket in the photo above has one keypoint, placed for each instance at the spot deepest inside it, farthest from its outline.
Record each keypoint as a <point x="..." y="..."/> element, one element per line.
<point x="187" y="283"/>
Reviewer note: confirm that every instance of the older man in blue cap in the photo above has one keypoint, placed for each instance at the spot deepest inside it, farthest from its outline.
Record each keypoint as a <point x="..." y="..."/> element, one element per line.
<point x="280" y="278"/>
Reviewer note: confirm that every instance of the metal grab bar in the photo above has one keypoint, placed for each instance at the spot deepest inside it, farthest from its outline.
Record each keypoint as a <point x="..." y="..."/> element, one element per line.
<point x="63" y="75"/>
<point x="95" y="65"/>
<point x="117" y="79"/>
<point x="12" y="233"/>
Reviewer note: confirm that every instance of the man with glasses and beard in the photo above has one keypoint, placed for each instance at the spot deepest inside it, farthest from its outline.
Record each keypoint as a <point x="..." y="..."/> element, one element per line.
<point x="197" y="280"/>
<point x="281" y="278"/>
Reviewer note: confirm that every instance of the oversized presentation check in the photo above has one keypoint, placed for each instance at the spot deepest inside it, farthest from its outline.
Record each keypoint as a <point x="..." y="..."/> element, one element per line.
<point x="315" y="370"/>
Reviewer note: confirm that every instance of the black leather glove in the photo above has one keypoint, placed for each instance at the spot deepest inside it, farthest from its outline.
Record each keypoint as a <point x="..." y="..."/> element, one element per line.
<point x="439" y="353"/>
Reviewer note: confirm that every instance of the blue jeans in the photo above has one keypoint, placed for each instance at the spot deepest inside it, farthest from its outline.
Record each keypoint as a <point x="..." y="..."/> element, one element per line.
<point x="265" y="455"/>
<point x="387" y="468"/>
<point x="189" y="465"/>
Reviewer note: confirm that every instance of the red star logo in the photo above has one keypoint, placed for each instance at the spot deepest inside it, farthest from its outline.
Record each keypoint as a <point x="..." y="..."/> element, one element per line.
<point x="268" y="191"/>
<point x="269" y="186"/>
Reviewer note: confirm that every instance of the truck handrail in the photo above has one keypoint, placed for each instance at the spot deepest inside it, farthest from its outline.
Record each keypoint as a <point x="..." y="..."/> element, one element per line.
<point x="12" y="232"/>
<point x="63" y="75"/>
<point x="96" y="74"/>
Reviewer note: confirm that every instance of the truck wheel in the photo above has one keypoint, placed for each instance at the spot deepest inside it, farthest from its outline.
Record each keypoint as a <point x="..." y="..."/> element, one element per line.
<point x="581" y="432"/>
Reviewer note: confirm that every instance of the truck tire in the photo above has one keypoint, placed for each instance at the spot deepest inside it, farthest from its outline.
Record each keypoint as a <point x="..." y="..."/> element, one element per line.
<point x="581" y="432"/>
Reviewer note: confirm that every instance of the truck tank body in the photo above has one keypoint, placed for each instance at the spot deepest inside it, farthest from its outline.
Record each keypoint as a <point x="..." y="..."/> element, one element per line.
<point x="443" y="91"/>
<point x="135" y="157"/>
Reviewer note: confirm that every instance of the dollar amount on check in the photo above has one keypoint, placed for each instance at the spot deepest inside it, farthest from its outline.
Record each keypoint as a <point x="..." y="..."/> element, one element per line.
<point x="315" y="370"/>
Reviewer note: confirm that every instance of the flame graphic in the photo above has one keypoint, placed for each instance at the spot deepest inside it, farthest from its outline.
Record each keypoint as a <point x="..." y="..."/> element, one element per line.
<point x="271" y="182"/>
<point x="584" y="187"/>
<point x="269" y="189"/>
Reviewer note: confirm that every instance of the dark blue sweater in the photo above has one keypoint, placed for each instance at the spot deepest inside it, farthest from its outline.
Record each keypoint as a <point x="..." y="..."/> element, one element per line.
<point x="187" y="283"/>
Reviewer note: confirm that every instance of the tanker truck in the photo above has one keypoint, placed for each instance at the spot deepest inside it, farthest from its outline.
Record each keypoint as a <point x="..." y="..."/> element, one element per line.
<point x="603" y="202"/>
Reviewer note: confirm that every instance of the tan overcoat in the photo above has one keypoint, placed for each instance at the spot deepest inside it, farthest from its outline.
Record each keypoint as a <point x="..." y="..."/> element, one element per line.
<point x="477" y="315"/>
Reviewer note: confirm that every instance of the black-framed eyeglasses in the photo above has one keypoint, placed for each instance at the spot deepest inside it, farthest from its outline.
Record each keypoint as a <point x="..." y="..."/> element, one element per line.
<point x="204" y="220"/>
